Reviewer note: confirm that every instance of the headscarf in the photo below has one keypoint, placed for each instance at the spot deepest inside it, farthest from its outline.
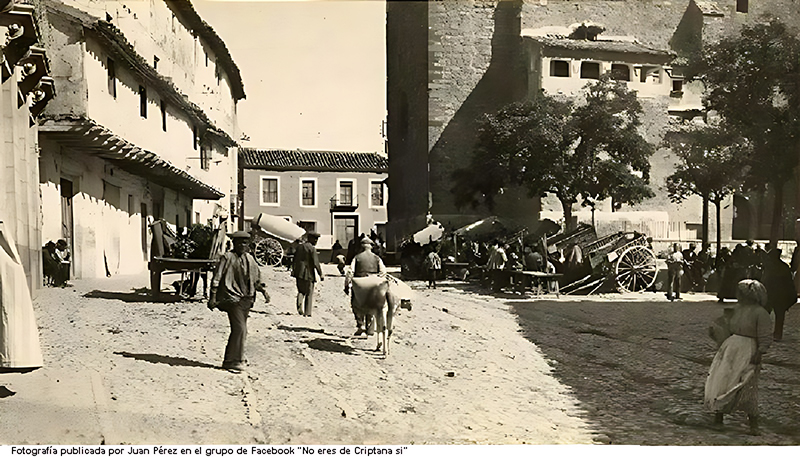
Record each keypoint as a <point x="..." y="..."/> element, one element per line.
<point x="752" y="292"/>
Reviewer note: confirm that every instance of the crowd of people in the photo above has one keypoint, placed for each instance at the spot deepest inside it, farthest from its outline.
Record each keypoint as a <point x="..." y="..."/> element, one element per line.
<point x="760" y="282"/>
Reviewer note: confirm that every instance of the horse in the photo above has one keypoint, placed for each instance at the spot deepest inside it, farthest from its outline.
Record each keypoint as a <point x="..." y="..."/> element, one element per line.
<point x="379" y="296"/>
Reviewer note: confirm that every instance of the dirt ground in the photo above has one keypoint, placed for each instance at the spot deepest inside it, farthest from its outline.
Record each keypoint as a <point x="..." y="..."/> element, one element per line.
<point x="120" y="369"/>
<point x="639" y="369"/>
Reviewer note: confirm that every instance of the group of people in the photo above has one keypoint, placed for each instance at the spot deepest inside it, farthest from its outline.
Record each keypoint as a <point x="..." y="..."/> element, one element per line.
<point x="56" y="263"/>
<point x="237" y="280"/>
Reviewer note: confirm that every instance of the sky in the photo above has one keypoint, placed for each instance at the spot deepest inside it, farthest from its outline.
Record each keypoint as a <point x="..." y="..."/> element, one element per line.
<point x="314" y="72"/>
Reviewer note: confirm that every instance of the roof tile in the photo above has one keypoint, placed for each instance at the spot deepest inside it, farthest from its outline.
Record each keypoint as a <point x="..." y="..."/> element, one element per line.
<point x="277" y="159"/>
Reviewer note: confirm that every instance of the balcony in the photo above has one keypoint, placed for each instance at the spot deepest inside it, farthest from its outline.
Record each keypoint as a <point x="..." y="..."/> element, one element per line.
<point x="340" y="203"/>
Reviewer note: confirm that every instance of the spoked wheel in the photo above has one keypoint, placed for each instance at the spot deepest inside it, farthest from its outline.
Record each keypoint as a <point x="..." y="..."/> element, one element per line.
<point x="268" y="251"/>
<point x="636" y="269"/>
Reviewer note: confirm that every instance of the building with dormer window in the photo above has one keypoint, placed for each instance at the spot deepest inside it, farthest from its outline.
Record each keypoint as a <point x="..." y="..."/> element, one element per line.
<point x="144" y="128"/>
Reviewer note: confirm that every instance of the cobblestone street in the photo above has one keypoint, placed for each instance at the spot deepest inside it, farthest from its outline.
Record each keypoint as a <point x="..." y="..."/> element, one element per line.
<point x="639" y="368"/>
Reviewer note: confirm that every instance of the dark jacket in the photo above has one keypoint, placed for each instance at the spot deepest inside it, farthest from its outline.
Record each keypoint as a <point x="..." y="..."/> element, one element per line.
<point x="306" y="261"/>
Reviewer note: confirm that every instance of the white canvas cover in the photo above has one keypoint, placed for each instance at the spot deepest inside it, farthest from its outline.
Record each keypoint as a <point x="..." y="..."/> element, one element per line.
<point x="19" y="335"/>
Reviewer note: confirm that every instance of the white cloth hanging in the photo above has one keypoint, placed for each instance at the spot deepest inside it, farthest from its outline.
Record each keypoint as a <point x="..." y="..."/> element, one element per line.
<point x="19" y="335"/>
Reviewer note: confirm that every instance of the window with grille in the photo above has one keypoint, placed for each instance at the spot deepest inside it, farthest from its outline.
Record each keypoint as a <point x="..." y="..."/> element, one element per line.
<point x="346" y="193"/>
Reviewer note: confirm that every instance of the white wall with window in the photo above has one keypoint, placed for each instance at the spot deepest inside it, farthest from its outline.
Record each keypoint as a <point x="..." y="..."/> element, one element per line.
<point x="377" y="193"/>
<point x="347" y="192"/>
<point x="308" y="192"/>
<point x="269" y="190"/>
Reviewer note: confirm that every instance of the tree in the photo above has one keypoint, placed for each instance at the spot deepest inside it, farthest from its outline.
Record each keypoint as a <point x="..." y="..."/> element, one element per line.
<point x="712" y="164"/>
<point x="592" y="149"/>
<point x="751" y="81"/>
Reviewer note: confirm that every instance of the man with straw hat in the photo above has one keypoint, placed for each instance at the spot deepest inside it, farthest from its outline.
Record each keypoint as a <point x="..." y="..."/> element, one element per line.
<point x="233" y="290"/>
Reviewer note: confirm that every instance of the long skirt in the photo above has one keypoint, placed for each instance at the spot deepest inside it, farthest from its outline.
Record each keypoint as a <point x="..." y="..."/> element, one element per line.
<point x="732" y="383"/>
<point x="19" y="335"/>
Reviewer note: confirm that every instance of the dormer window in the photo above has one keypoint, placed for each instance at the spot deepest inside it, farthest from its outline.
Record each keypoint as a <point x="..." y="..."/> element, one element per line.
<point x="620" y="72"/>
<point x="590" y="70"/>
<point x="559" y="68"/>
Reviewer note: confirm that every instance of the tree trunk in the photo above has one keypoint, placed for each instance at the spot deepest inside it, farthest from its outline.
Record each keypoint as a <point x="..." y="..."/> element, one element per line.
<point x="566" y="205"/>
<point x="718" y="205"/>
<point x="776" y="228"/>
<point x="704" y="234"/>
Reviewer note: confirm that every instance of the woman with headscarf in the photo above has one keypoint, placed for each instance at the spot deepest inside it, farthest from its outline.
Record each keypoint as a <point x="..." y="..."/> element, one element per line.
<point x="732" y="383"/>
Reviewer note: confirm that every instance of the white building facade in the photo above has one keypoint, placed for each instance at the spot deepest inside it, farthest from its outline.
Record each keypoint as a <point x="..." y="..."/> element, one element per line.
<point x="143" y="129"/>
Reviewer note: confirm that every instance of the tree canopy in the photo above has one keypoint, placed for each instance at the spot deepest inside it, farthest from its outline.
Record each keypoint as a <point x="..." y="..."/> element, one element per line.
<point x="590" y="147"/>
<point x="752" y="82"/>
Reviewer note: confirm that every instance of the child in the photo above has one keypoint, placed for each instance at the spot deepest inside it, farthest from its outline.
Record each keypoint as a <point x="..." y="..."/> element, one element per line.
<point x="434" y="264"/>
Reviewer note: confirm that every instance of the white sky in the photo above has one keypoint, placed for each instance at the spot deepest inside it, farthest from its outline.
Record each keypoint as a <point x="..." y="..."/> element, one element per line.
<point x="314" y="72"/>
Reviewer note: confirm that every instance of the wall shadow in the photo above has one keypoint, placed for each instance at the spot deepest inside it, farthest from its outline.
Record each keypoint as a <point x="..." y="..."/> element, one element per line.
<point x="504" y="82"/>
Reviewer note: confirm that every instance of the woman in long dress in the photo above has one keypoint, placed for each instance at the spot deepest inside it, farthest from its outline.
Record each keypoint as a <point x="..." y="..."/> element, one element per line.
<point x="732" y="383"/>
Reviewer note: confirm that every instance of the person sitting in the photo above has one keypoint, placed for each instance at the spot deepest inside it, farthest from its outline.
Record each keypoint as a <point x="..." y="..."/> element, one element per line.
<point x="50" y="264"/>
<point x="63" y="257"/>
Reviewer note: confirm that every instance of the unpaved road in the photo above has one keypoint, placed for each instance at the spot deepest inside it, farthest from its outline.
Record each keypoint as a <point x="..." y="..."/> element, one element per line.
<point x="121" y="369"/>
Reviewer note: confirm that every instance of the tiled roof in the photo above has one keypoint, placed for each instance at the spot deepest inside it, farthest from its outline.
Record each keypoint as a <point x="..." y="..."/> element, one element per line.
<point x="556" y="42"/>
<point x="276" y="159"/>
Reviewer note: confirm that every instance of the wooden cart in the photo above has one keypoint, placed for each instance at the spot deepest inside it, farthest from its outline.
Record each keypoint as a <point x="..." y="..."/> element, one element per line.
<point x="161" y="263"/>
<point x="623" y="260"/>
<point x="272" y="236"/>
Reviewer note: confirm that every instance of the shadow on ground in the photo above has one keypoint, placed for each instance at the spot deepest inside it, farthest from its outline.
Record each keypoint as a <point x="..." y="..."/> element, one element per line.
<point x="141" y="295"/>
<point x="329" y="345"/>
<point x="165" y="359"/>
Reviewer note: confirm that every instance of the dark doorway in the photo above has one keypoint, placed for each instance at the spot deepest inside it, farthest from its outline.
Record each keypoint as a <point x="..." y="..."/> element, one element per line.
<point x="67" y="220"/>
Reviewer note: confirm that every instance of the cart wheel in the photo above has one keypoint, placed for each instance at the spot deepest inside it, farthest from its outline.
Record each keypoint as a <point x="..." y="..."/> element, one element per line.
<point x="268" y="252"/>
<point x="636" y="269"/>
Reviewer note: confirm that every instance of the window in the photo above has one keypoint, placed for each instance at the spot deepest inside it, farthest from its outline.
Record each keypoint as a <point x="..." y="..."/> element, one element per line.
<point x="559" y="68"/>
<point x="590" y="70"/>
<point x="620" y="72"/>
<point x="194" y="137"/>
<point x="269" y="191"/>
<point x="377" y="194"/>
<point x="346" y="193"/>
<point x="205" y="157"/>
<point x="308" y="192"/>
<point x="741" y="6"/>
<point x="308" y="226"/>
<point x="652" y="74"/>
<point x="163" y="115"/>
<point x="196" y="217"/>
<point x="112" y="77"/>
<point x="143" y="102"/>
<point x="130" y="205"/>
<point x="677" y="87"/>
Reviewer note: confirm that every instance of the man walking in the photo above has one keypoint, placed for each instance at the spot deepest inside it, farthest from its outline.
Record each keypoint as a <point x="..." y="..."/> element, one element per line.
<point x="304" y="269"/>
<point x="233" y="290"/>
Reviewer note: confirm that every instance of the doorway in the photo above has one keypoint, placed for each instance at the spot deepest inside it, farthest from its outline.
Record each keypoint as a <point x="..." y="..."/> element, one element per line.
<point x="345" y="228"/>
<point x="67" y="218"/>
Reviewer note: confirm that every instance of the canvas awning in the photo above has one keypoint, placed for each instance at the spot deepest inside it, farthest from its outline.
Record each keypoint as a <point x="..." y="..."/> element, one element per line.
<point x="87" y="136"/>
